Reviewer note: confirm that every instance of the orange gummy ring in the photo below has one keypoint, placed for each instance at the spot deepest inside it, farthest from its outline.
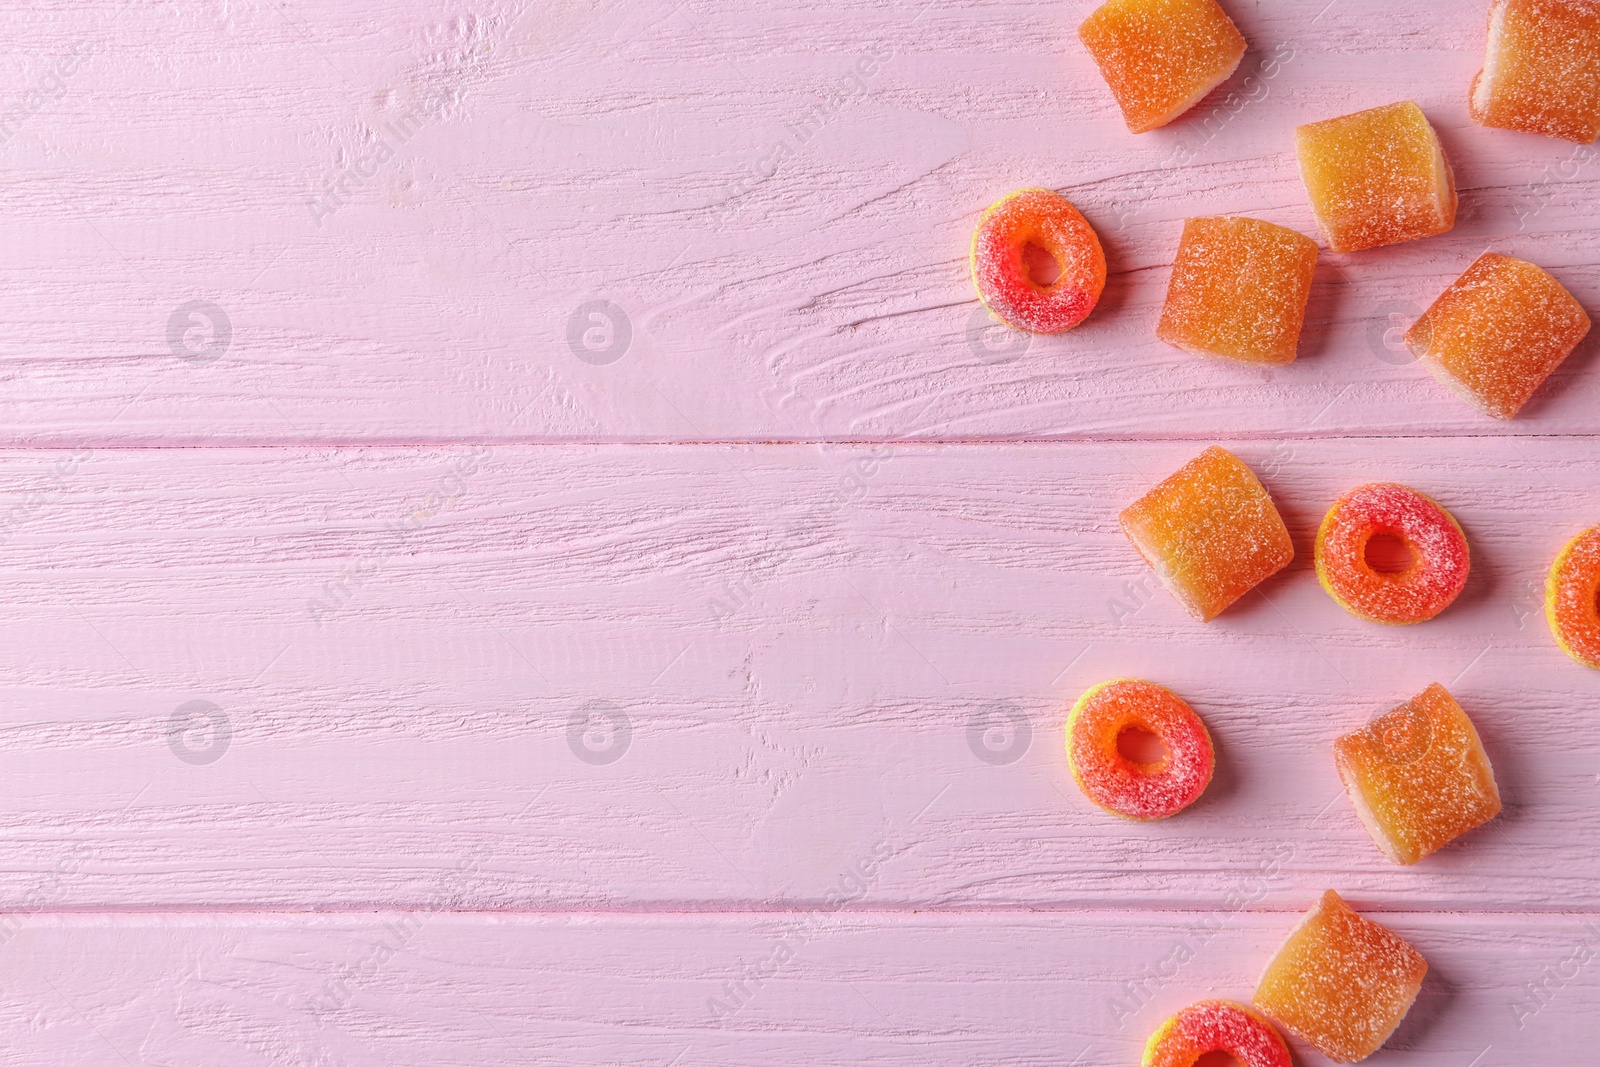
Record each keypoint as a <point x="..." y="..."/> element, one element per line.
<point x="1570" y="598"/>
<point x="1216" y="1026"/>
<point x="1141" y="791"/>
<point x="1439" y="565"/>
<point x="1048" y="221"/>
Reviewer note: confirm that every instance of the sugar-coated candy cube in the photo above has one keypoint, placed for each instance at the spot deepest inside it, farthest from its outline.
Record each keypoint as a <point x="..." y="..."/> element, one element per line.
<point x="1377" y="177"/>
<point x="1497" y="332"/>
<point x="1239" y="290"/>
<point x="1418" y="776"/>
<point x="1161" y="57"/>
<point x="1341" y="982"/>
<point x="1541" y="73"/>
<point x="1210" y="531"/>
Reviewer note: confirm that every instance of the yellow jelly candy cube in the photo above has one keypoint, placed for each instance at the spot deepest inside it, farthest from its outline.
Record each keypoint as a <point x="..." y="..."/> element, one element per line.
<point x="1497" y="332"/>
<point x="1377" y="177"/>
<point x="1541" y="73"/>
<point x="1161" y="57"/>
<point x="1210" y="531"/>
<point x="1418" y="776"/>
<point x="1239" y="290"/>
<point x="1341" y="982"/>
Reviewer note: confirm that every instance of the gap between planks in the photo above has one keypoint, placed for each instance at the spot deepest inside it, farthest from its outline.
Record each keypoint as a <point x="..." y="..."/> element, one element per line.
<point x="224" y="914"/>
<point x="997" y="441"/>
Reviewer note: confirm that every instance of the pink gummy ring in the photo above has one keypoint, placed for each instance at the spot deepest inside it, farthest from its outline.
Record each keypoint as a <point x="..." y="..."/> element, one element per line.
<point x="1141" y="791"/>
<point x="1439" y="564"/>
<point x="1572" y="598"/>
<point x="1216" y="1026"/>
<point x="1048" y="221"/>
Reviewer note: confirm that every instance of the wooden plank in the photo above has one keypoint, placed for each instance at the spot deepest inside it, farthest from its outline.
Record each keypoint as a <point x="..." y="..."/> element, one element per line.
<point x="805" y="644"/>
<point x="407" y="222"/>
<point x="709" y="990"/>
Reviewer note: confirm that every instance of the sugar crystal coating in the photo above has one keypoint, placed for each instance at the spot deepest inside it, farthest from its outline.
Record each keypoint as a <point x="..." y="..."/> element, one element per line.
<point x="1440" y="558"/>
<point x="1418" y="776"/>
<point x="1048" y="221"/>
<point x="1497" y="332"/>
<point x="1541" y="72"/>
<point x="1141" y="791"/>
<point x="1216" y="1026"/>
<point x="1239" y="290"/>
<point x="1377" y="177"/>
<point x="1340" y="981"/>
<point x="1210" y="531"/>
<point x="1161" y="57"/>
<point x="1572" y="598"/>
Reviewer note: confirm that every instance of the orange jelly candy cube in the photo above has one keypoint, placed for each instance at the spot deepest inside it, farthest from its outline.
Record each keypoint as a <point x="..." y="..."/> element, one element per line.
<point x="1161" y="57"/>
<point x="1497" y="332"/>
<point x="1377" y="177"/>
<point x="1341" y="982"/>
<point x="1210" y="531"/>
<point x="1418" y="776"/>
<point x="1542" y="70"/>
<point x="1239" y="290"/>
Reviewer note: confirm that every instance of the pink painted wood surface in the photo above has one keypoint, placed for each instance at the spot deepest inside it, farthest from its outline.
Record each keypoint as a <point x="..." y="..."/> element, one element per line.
<point x="574" y="686"/>
<point x="553" y="154"/>
<point x="819" y="987"/>
<point x="802" y="640"/>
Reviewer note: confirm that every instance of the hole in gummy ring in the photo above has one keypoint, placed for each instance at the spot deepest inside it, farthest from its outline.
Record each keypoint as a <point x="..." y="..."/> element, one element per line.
<point x="1216" y="1059"/>
<point x="1042" y="267"/>
<point x="1137" y="745"/>
<point x="1388" y="553"/>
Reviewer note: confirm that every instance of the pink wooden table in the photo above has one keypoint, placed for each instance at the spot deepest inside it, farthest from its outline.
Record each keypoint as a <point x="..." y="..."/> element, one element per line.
<point x="517" y="542"/>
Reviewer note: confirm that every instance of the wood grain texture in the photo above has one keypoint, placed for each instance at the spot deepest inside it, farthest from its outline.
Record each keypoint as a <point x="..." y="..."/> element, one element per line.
<point x="817" y="988"/>
<point x="808" y="646"/>
<point x="513" y="523"/>
<point x="401" y="211"/>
